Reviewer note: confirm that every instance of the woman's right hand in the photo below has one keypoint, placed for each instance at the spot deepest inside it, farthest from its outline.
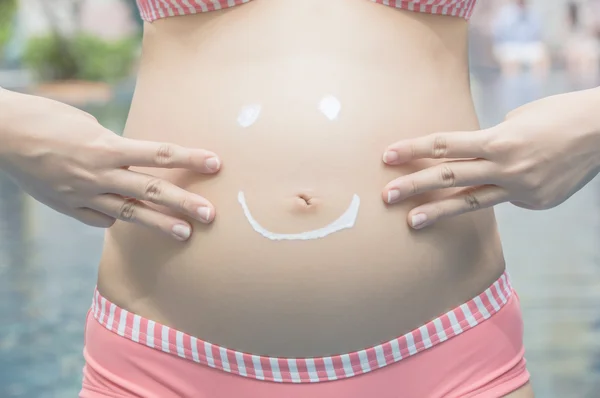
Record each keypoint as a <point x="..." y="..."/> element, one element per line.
<point x="65" y="159"/>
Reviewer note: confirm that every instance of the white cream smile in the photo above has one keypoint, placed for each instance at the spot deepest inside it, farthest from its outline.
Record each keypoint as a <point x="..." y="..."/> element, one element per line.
<point x="345" y="221"/>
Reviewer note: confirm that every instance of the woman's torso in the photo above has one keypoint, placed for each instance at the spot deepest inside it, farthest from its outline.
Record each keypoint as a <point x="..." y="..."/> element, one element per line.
<point x="335" y="82"/>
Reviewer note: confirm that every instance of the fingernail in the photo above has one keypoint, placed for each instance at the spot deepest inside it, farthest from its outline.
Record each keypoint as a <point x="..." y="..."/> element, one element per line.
<point x="393" y="195"/>
<point x="390" y="156"/>
<point x="418" y="220"/>
<point x="182" y="232"/>
<point x="204" y="213"/>
<point x="213" y="163"/>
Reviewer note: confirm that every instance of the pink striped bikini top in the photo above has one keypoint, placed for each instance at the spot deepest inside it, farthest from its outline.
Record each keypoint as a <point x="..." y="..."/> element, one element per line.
<point x="151" y="10"/>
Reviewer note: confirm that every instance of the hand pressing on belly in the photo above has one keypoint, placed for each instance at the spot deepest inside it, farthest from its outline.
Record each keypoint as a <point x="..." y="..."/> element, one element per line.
<point x="65" y="159"/>
<point x="537" y="158"/>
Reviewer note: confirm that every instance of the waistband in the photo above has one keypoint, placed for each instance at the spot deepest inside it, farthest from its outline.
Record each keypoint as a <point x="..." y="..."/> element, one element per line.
<point x="303" y="370"/>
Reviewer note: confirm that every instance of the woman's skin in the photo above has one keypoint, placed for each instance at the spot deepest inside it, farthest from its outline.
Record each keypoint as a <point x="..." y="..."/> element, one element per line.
<point x="537" y="158"/>
<point x="392" y="73"/>
<point x="65" y="159"/>
<point x="573" y="128"/>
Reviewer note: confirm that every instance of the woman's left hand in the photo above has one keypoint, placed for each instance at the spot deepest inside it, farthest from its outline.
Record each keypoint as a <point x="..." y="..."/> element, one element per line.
<point x="537" y="158"/>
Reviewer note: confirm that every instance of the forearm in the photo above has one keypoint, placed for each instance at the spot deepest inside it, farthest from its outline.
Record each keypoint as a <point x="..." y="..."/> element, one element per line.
<point x="4" y="94"/>
<point x="11" y="113"/>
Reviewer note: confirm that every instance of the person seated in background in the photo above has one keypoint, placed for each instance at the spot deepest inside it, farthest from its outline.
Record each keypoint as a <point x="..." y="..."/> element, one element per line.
<point x="582" y="50"/>
<point x="518" y="39"/>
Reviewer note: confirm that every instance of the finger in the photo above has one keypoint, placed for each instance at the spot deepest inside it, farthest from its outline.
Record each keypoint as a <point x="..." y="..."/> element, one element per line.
<point x="165" y="155"/>
<point x="93" y="218"/>
<point x="469" y="144"/>
<point x="467" y="200"/>
<point x="135" y="211"/>
<point x="155" y="190"/>
<point x="460" y="173"/>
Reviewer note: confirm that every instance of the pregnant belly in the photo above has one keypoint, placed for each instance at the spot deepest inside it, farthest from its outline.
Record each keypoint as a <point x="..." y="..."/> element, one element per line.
<point x="303" y="258"/>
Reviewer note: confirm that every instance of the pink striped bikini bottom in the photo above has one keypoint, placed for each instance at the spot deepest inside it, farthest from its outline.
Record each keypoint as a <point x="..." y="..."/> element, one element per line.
<point x="474" y="350"/>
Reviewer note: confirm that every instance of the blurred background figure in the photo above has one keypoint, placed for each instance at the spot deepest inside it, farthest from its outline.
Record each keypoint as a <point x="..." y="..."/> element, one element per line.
<point x="517" y="33"/>
<point x="582" y="44"/>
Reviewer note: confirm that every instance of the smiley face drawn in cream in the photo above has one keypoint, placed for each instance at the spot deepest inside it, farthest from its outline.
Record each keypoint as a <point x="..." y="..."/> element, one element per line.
<point x="329" y="106"/>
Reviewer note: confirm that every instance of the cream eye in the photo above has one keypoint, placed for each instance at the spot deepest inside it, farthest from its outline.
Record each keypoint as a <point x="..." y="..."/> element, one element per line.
<point x="330" y="106"/>
<point x="249" y="115"/>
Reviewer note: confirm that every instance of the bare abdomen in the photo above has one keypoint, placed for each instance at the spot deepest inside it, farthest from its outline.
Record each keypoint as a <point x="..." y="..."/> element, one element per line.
<point x="323" y="113"/>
